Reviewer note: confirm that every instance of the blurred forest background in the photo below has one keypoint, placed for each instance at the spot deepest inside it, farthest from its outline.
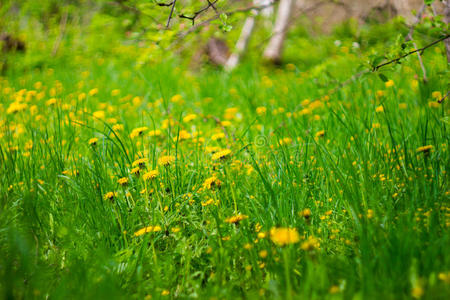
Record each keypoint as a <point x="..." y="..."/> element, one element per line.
<point x="199" y="32"/>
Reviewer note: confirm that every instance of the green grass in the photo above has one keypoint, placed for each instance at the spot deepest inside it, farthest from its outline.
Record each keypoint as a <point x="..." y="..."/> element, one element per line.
<point x="379" y="208"/>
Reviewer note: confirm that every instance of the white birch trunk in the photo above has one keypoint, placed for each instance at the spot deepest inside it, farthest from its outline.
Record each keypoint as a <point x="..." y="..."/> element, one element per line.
<point x="275" y="46"/>
<point x="246" y="33"/>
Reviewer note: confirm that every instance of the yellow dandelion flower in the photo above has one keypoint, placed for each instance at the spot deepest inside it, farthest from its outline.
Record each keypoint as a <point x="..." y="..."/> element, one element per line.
<point x="306" y="213"/>
<point x="310" y="244"/>
<point x="218" y="136"/>
<point x="189" y="118"/>
<point x="155" y="132"/>
<point x="235" y="219"/>
<point x="123" y="181"/>
<point x="211" y="183"/>
<point x="389" y="83"/>
<point x="424" y="149"/>
<point x="284" y="236"/>
<point x="93" y="142"/>
<point x="109" y="196"/>
<point x="138" y="132"/>
<point x="221" y="154"/>
<point x="261" y="110"/>
<point x="140" y="162"/>
<point x="166" y="160"/>
<point x="320" y="133"/>
<point x="150" y="175"/>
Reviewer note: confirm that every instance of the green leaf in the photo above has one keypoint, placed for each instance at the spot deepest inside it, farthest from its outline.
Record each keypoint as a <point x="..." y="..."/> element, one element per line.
<point x="383" y="77"/>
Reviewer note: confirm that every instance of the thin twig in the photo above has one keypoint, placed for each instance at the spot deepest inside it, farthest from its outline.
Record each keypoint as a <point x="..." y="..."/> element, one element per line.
<point x="376" y="68"/>
<point x="443" y="98"/>
<point x="197" y="13"/>
<point x="206" y="22"/>
<point x="171" y="12"/>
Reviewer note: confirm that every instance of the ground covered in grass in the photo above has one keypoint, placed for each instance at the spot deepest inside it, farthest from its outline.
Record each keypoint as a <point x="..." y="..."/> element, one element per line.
<point x="153" y="181"/>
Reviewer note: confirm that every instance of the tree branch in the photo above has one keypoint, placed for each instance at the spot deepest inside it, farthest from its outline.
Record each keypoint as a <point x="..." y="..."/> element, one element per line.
<point x="195" y="15"/>
<point x="376" y="68"/>
<point x="171" y="11"/>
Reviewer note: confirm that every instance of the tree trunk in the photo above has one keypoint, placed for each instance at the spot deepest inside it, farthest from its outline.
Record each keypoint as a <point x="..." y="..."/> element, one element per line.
<point x="242" y="43"/>
<point x="447" y="20"/>
<point x="275" y="46"/>
<point x="246" y="33"/>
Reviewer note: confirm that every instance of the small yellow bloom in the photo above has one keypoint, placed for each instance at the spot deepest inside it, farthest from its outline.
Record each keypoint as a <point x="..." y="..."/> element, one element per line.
<point x="139" y="162"/>
<point x="389" y="83"/>
<point x="211" y="183"/>
<point x="166" y="160"/>
<point x="221" y="154"/>
<point x="310" y="244"/>
<point x="235" y="219"/>
<point x="150" y="175"/>
<point x="123" y="181"/>
<point x="93" y="142"/>
<point x="320" y="133"/>
<point x="109" y="196"/>
<point x="189" y="118"/>
<point x="284" y="236"/>
<point x="425" y="149"/>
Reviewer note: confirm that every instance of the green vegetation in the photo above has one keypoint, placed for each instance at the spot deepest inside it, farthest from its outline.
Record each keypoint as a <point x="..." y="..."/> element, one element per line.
<point x="124" y="173"/>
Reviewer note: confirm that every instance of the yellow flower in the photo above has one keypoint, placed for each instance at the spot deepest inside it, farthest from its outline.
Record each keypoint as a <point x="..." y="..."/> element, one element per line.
<point x="150" y="175"/>
<point x="379" y="109"/>
<point x="50" y="102"/>
<point x="143" y="230"/>
<point x="117" y="127"/>
<point x="137" y="132"/>
<point x="235" y="219"/>
<point x="155" y="132"/>
<point x="402" y="105"/>
<point x="320" y="133"/>
<point x="306" y="213"/>
<point x="334" y="289"/>
<point x="109" y="196"/>
<point x="100" y="114"/>
<point x="135" y="171"/>
<point x="221" y="154"/>
<point x="284" y="236"/>
<point x="175" y="229"/>
<point x="211" y="183"/>
<point x="433" y="104"/>
<point x="165" y="293"/>
<point x="436" y="95"/>
<point x="425" y="149"/>
<point x="310" y="244"/>
<point x="182" y="135"/>
<point x="123" y="181"/>
<point x="263" y="253"/>
<point x="189" y="118"/>
<point x="261" y="110"/>
<point x="93" y="92"/>
<point x="389" y="83"/>
<point x="417" y="292"/>
<point x="218" y="136"/>
<point x="140" y="162"/>
<point x="93" y="142"/>
<point x="166" y="160"/>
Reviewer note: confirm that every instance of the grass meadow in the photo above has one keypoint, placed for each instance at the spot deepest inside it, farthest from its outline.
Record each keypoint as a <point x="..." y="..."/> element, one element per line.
<point x="154" y="181"/>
